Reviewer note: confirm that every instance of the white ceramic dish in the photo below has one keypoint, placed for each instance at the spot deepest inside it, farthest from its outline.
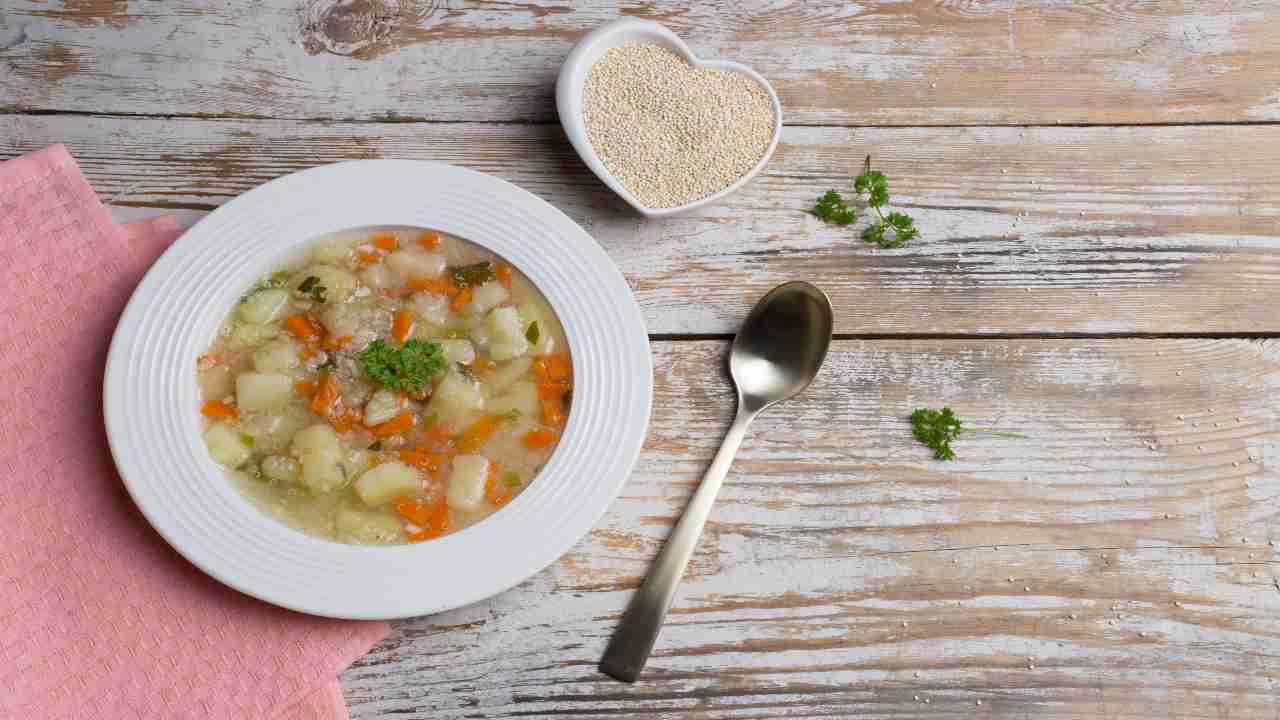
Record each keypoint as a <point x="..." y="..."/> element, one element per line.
<point x="573" y="75"/>
<point x="151" y="400"/>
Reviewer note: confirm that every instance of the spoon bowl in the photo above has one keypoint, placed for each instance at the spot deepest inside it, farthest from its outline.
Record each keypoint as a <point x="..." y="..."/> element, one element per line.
<point x="781" y="345"/>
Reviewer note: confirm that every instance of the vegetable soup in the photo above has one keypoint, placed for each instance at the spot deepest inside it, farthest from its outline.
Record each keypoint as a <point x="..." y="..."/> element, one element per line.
<point x="391" y="385"/>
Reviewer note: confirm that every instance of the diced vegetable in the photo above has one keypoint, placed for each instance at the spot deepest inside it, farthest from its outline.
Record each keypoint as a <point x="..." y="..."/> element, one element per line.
<point x="367" y="528"/>
<point x="466" y="484"/>
<point x="503" y="273"/>
<point x="218" y="410"/>
<point x="431" y="307"/>
<point x="414" y="262"/>
<point x="387" y="481"/>
<point x="318" y="438"/>
<point x="320" y="452"/>
<point x="539" y="315"/>
<point x="455" y="398"/>
<point x="247" y="335"/>
<point x="216" y="382"/>
<point x="380" y="277"/>
<point x="401" y="325"/>
<point x="226" y="447"/>
<point x="461" y="300"/>
<point x="507" y="373"/>
<point x="552" y="368"/>
<point x="398" y="425"/>
<point x="301" y="327"/>
<point x="263" y="306"/>
<point x="338" y="284"/>
<point x="260" y="392"/>
<point x="486" y="297"/>
<point x="281" y="468"/>
<point x="383" y="406"/>
<point x="477" y="433"/>
<point x="424" y="461"/>
<point x="538" y="439"/>
<point x="429" y="241"/>
<point x="384" y="241"/>
<point x="361" y="320"/>
<point x="278" y="356"/>
<point x="506" y="333"/>
<point x="495" y="491"/>
<point x="334" y="251"/>
<point x="552" y="411"/>
<point x="521" y="397"/>
<point x="458" y="351"/>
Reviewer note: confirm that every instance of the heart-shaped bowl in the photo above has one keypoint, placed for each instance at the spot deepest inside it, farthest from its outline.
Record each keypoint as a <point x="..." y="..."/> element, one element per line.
<point x="573" y="76"/>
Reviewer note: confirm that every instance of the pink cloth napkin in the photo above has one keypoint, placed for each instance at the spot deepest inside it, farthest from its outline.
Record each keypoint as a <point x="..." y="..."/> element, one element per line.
<point x="99" y="618"/>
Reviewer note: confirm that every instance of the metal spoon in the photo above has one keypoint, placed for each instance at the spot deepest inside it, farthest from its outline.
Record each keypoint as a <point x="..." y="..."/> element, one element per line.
<point x="775" y="356"/>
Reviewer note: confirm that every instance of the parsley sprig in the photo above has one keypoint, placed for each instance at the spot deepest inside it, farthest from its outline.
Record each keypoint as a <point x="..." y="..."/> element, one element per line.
<point x="937" y="428"/>
<point x="405" y="368"/>
<point x="891" y="230"/>
<point x="472" y="275"/>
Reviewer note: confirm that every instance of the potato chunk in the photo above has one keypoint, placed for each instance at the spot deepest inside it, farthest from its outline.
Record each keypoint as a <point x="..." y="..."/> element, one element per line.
<point x="486" y="297"/>
<point x="431" y="308"/>
<point x="455" y="398"/>
<point x="466" y="484"/>
<point x="226" y="447"/>
<point x="264" y="306"/>
<point x="320" y="451"/>
<point x="522" y="397"/>
<point x="412" y="262"/>
<point x="367" y="528"/>
<point x="338" y="284"/>
<point x="458" y="351"/>
<point x="277" y="356"/>
<point x="261" y="392"/>
<point x="383" y="406"/>
<point x="246" y="335"/>
<point x="281" y="468"/>
<point x="386" y="482"/>
<point x="506" y="334"/>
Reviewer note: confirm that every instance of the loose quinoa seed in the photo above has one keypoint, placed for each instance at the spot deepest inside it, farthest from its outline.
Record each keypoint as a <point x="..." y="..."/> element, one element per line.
<point x="671" y="133"/>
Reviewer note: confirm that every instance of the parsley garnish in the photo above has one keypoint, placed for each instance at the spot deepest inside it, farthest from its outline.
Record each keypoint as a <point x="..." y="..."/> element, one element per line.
<point x="311" y="286"/>
<point x="532" y="334"/>
<point x="889" y="231"/>
<point x="937" y="428"/>
<point x="511" y="480"/>
<point x="832" y="208"/>
<point x="405" y="368"/>
<point x="472" y="275"/>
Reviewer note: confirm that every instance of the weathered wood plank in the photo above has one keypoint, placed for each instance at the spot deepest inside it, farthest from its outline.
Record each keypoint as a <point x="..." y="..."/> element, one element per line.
<point x="882" y="62"/>
<point x="1117" y="563"/>
<point x="1037" y="230"/>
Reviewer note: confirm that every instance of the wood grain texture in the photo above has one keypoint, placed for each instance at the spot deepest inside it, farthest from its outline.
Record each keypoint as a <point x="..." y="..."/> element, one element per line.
<point x="1035" y="230"/>
<point x="1117" y="563"/>
<point x="883" y="62"/>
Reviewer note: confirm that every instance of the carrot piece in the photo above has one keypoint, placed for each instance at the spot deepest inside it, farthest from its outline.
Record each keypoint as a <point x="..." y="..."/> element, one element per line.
<point x="439" y="438"/>
<point x="395" y="426"/>
<point x="438" y="286"/>
<point x="305" y="387"/>
<point x="325" y="399"/>
<point x="549" y="390"/>
<point x="477" y="433"/>
<point x="538" y="439"/>
<point x="552" y="368"/>
<point x="429" y="240"/>
<point x="343" y="419"/>
<point x="364" y="257"/>
<point x="503" y="273"/>
<point x="424" y="461"/>
<point x="493" y="491"/>
<point x="385" y="241"/>
<point x="461" y="300"/>
<point x="219" y="410"/>
<point x="337" y="343"/>
<point x="301" y="327"/>
<point x="401" y="325"/>
<point x="552" y="412"/>
<point x="413" y="511"/>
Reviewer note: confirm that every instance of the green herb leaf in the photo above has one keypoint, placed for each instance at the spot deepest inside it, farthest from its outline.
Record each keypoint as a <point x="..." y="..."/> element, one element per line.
<point x="406" y="368"/>
<point x="376" y="446"/>
<point x="430" y="420"/>
<point x="456" y="334"/>
<point x="472" y="275"/>
<point x="509" y="416"/>
<point x="511" y="480"/>
<point x="277" y="279"/>
<point x="936" y="429"/>
<point x="874" y="184"/>
<point x="465" y="371"/>
<point x="532" y="334"/>
<point x="832" y="208"/>
<point x="311" y="286"/>
<point x="247" y="439"/>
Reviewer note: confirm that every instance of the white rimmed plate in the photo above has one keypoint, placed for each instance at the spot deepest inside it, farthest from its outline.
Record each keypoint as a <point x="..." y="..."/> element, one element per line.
<point x="151" y="400"/>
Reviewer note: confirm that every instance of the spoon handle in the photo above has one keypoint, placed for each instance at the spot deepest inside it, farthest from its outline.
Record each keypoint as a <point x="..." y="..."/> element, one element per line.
<point x="634" y="637"/>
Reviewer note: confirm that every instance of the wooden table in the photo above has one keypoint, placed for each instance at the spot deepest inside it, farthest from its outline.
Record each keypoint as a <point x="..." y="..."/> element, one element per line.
<point x="1098" y="188"/>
